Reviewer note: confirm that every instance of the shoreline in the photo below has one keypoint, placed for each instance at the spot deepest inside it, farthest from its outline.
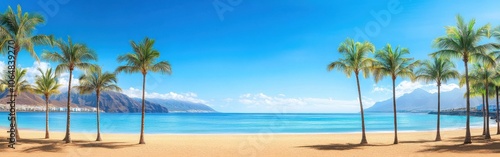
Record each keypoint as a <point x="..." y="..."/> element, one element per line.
<point x="492" y="125"/>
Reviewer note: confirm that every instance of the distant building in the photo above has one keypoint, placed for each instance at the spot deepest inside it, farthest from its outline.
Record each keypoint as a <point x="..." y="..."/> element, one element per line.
<point x="492" y="108"/>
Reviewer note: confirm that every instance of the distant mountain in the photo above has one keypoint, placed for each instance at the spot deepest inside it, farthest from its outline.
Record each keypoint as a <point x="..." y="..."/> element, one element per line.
<point x="26" y="98"/>
<point x="111" y="102"/>
<point x="421" y="101"/>
<point x="181" y="106"/>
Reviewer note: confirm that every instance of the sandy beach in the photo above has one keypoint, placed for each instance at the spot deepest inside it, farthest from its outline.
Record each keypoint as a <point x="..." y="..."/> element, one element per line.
<point x="266" y="144"/>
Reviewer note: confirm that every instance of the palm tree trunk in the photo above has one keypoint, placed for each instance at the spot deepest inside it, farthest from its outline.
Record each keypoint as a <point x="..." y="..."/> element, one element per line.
<point x="487" y="113"/>
<point x="18" y="137"/>
<point x="438" y="134"/>
<point x="68" y="136"/>
<point x="98" y="124"/>
<point x="363" y="136"/>
<point x="141" y="141"/>
<point x="498" y="114"/>
<point x="394" y="107"/>
<point x="484" y="115"/>
<point x="16" y="52"/>
<point x="467" y="113"/>
<point x="46" y="116"/>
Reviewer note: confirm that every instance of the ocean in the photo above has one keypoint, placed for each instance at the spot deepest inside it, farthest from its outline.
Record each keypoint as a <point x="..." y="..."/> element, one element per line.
<point x="237" y="123"/>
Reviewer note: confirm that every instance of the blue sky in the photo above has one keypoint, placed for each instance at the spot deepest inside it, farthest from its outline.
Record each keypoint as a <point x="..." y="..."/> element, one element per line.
<point x="259" y="55"/>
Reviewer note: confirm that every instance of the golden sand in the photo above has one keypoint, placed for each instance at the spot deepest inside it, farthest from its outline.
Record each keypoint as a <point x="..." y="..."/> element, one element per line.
<point x="412" y="144"/>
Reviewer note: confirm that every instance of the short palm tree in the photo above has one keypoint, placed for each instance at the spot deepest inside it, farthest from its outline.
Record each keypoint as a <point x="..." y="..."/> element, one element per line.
<point x="497" y="86"/>
<point x="95" y="81"/>
<point x="439" y="70"/>
<point x="46" y="84"/>
<point x="355" y="60"/>
<point x="496" y="34"/>
<point x="485" y="75"/>
<point x="20" y="86"/>
<point x="72" y="55"/>
<point x="143" y="60"/>
<point x="477" y="90"/>
<point x="393" y="63"/>
<point x="462" y="41"/>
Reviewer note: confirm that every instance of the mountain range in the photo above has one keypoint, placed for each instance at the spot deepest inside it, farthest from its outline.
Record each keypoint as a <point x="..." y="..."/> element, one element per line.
<point x="32" y="99"/>
<point x="110" y="102"/>
<point x="422" y="101"/>
<point x="181" y="106"/>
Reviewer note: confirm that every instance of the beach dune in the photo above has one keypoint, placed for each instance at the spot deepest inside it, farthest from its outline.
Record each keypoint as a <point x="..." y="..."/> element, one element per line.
<point x="265" y="144"/>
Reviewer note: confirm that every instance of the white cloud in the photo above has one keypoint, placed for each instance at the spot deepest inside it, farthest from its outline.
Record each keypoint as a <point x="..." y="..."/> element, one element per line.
<point x="2" y="68"/>
<point x="287" y="104"/>
<point x="191" y="97"/>
<point x="64" y="81"/>
<point x="32" y="71"/>
<point x="406" y="87"/>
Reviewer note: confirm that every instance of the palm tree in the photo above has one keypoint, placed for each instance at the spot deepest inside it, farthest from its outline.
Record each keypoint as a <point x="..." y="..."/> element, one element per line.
<point x="486" y="76"/>
<point x="477" y="90"/>
<point x="355" y="61"/>
<point x="462" y="41"/>
<point x="19" y="27"/>
<point x="96" y="81"/>
<point x="439" y="70"/>
<point x="72" y="56"/>
<point x="496" y="33"/>
<point x="46" y="84"/>
<point x="20" y="86"/>
<point x="391" y="62"/>
<point x="143" y="60"/>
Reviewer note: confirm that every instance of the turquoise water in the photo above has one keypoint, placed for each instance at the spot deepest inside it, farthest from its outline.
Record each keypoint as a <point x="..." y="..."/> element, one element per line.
<point x="213" y="123"/>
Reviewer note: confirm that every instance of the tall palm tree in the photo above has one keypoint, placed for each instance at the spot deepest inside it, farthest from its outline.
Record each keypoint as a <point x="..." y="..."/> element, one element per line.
<point x="72" y="55"/>
<point x="393" y="63"/>
<point x="19" y="27"/>
<point x="96" y="81"/>
<point x="355" y="60"/>
<point x="439" y="70"/>
<point x="20" y="86"/>
<point x="143" y="60"/>
<point x="462" y="41"/>
<point x="46" y="84"/>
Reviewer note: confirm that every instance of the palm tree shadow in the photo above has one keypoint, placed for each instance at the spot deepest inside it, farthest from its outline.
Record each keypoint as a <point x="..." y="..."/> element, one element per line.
<point x="107" y="145"/>
<point x="474" y="139"/>
<point x="418" y="141"/>
<point x="486" y="148"/>
<point x="334" y="146"/>
<point x="49" y="145"/>
<point x="479" y="144"/>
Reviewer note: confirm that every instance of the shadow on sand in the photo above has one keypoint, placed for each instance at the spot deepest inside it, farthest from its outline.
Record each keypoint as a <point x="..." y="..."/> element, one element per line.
<point x="52" y="145"/>
<point x="478" y="144"/>
<point x="347" y="146"/>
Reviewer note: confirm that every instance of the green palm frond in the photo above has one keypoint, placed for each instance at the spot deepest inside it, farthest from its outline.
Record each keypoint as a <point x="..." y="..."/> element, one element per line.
<point x="355" y="59"/>
<point x="439" y="70"/>
<point x="71" y="56"/>
<point x="143" y="59"/>
<point x="20" y="27"/>
<point x="391" y="62"/>
<point x="46" y="83"/>
<point x="94" y="80"/>
<point x="20" y="85"/>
